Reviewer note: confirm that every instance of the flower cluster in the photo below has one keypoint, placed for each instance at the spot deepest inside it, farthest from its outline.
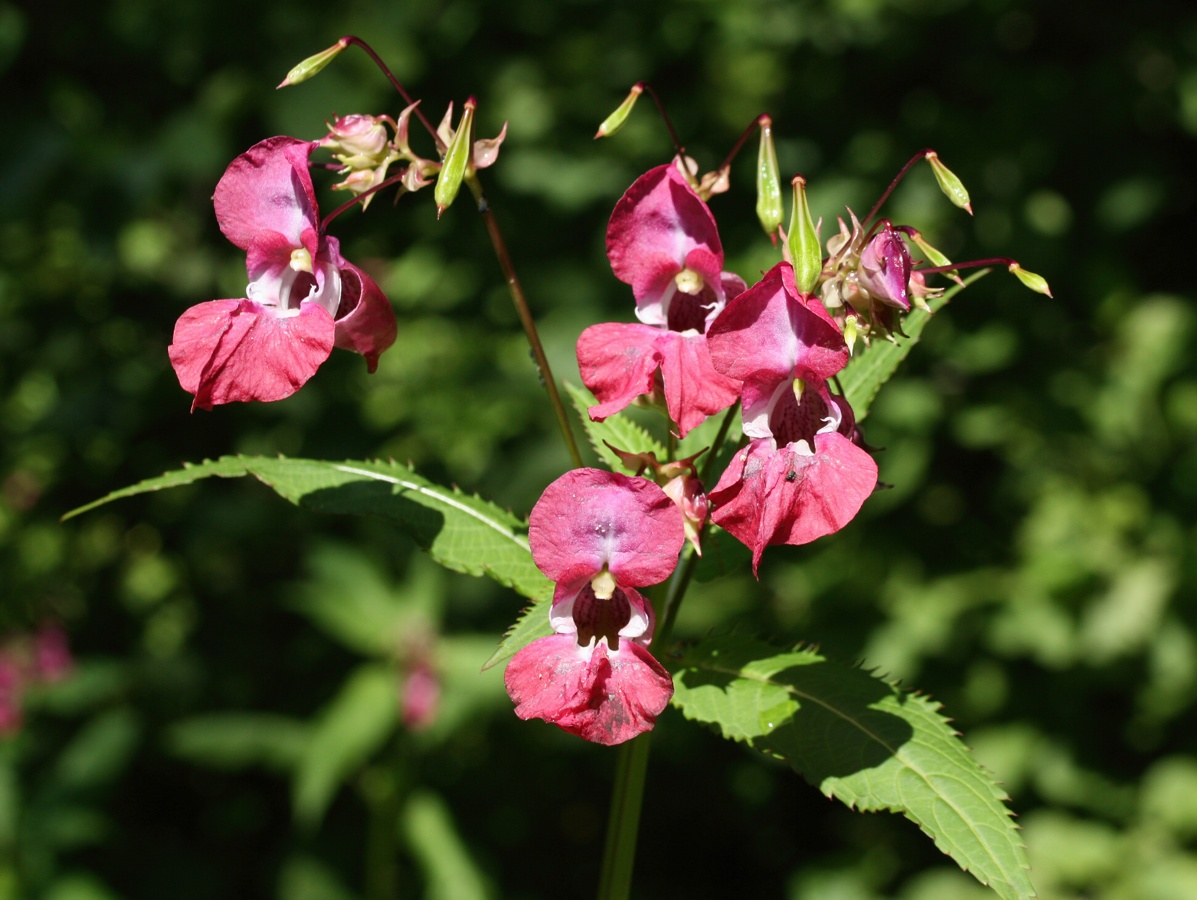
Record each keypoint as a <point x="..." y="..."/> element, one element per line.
<point x="704" y="342"/>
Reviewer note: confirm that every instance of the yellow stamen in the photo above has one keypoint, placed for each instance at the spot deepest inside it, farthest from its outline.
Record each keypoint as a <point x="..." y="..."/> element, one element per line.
<point x="689" y="282"/>
<point x="301" y="260"/>
<point x="603" y="585"/>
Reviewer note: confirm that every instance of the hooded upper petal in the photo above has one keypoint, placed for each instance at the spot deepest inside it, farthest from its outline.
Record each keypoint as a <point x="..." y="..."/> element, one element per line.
<point x="601" y="695"/>
<point x="589" y="519"/>
<point x="659" y="227"/>
<point x="772" y="331"/>
<point x="268" y="191"/>
<point x="236" y="350"/>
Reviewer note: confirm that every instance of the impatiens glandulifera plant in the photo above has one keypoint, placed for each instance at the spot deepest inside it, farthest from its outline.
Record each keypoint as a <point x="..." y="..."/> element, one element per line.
<point x="799" y="356"/>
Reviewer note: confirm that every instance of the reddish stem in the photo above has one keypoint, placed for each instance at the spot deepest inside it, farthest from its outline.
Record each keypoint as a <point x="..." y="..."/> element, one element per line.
<point x="369" y="51"/>
<point x="922" y="154"/>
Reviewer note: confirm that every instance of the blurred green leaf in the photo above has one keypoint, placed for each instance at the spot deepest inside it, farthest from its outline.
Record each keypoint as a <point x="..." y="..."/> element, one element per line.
<point x="861" y="741"/>
<point x="450" y="873"/>
<point x="347" y="597"/>
<point x="346" y="734"/>
<point x="230" y="740"/>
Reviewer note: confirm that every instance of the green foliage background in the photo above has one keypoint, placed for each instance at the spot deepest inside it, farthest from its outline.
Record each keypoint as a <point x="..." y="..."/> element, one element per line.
<point x="229" y="731"/>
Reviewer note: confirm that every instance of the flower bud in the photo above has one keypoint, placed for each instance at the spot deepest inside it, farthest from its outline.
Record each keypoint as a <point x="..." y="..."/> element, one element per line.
<point x="457" y="160"/>
<point x="952" y="186"/>
<point x="768" y="186"/>
<point x="615" y="121"/>
<point x="1030" y="279"/>
<point x="357" y="138"/>
<point x="884" y="271"/>
<point x="313" y="64"/>
<point x="803" y="241"/>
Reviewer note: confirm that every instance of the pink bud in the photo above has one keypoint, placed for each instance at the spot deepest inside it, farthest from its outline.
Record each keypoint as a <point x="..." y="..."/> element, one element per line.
<point x="357" y="135"/>
<point x="884" y="271"/>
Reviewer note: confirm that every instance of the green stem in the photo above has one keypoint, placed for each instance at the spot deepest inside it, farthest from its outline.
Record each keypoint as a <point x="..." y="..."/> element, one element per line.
<point x="627" y="799"/>
<point x="525" y="314"/>
<point x="615" y="883"/>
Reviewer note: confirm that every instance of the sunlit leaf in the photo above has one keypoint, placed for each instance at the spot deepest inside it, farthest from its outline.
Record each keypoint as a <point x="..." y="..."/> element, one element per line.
<point x="862" y="741"/>
<point x="461" y="532"/>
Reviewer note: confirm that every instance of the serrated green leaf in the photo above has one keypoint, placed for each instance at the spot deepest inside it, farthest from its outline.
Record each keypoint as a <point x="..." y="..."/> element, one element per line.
<point x="461" y="532"/>
<point x="532" y="623"/>
<point x="617" y="430"/>
<point x="347" y="733"/>
<point x="874" y="365"/>
<point x="862" y="741"/>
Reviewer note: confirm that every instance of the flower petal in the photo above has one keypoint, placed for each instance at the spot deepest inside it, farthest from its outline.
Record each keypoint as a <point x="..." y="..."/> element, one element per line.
<point x="366" y="320"/>
<point x="771" y="332"/>
<point x="602" y="696"/>
<point x="235" y="350"/>
<point x="654" y="231"/>
<point x="617" y="363"/>
<point x="693" y="388"/>
<point x="588" y="519"/>
<point x="266" y="189"/>
<point x="782" y="496"/>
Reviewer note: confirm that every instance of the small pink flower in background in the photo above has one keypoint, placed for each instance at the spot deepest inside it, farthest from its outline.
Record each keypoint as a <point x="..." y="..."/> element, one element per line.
<point x="302" y="300"/>
<point x="599" y="536"/>
<point x="662" y="240"/>
<point x="420" y="695"/>
<point x="802" y="475"/>
<point x="11" y="687"/>
<point x="52" y="660"/>
<point x="28" y="660"/>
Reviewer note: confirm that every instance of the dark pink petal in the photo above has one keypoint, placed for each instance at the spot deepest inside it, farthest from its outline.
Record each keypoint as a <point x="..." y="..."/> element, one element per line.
<point x="268" y="189"/>
<point x="617" y="363"/>
<point x="781" y="496"/>
<point x="604" y="697"/>
<point x="659" y="227"/>
<point x="771" y="332"/>
<point x="588" y="519"/>
<point x="366" y="320"/>
<point x="693" y="389"/>
<point x="234" y="350"/>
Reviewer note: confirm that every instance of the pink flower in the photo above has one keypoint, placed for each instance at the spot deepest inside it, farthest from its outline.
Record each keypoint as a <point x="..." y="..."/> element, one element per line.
<point x="662" y="240"/>
<point x="598" y="535"/>
<point x="303" y="297"/>
<point x="802" y="475"/>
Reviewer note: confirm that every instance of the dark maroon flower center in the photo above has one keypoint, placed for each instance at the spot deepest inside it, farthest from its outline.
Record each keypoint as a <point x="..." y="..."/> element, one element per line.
<point x="598" y="618"/>
<point x="794" y="419"/>
<point x="689" y="311"/>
